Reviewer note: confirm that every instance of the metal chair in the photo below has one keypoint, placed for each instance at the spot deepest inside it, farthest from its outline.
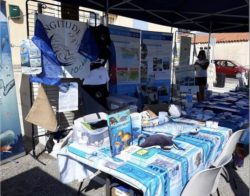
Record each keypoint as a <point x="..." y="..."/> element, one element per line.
<point x="202" y="183"/>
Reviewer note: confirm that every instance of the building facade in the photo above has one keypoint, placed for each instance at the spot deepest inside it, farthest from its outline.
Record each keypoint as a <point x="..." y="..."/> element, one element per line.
<point x="228" y="46"/>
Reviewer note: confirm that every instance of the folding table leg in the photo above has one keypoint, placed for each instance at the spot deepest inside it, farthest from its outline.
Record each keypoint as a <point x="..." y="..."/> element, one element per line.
<point x="33" y="144"/>
<point x="33" y="137"/>
<point x="79" y="189"/>
<point x="108" y="183"/>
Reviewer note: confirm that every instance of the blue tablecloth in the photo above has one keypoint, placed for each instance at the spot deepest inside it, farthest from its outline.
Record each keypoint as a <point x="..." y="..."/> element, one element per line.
<point x="152" y="170"/>
<point x="228" y="109"/>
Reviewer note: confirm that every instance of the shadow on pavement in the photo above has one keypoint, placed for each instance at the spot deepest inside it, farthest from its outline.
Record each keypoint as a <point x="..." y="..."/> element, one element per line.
<point x="35" y="182"/>
<point x="241" y="188"/>
<point x="94" y="184"/>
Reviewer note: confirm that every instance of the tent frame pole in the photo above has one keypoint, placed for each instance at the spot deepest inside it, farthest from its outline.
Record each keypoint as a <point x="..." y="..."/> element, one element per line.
<point x="208" y="43"/>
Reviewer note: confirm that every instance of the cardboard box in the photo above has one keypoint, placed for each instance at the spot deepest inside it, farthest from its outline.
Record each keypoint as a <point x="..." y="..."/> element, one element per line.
<point x="119" y="191"/>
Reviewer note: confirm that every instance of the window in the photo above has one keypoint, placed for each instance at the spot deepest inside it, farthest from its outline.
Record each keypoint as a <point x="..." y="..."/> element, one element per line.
<point x="221" y="63"/>
<point x="230" y="64"/>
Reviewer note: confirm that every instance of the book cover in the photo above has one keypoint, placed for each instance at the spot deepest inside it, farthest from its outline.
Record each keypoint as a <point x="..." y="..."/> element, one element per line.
<point x="120" y="131"/>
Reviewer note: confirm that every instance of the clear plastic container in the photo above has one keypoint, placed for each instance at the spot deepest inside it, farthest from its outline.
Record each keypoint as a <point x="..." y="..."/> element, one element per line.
<point x="83" y="135"/>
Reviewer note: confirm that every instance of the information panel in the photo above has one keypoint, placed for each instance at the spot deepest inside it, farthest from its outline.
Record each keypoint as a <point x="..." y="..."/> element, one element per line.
<point x="156" y="55"/>
<point x="125" y="58"/>
<point x="10" y="130"/>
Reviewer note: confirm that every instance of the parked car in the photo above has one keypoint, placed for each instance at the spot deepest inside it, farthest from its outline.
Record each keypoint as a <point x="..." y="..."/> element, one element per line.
<point x="230" y="68"/>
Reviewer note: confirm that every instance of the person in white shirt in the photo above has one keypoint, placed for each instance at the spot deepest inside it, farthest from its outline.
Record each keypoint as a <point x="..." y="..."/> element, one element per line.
<point x="201" y="65"/>
<point x="95" y="84"/>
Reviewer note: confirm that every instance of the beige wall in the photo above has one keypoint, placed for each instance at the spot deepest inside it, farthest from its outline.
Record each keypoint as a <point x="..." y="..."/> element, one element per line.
<point x="238" y="51"/>
<point x="124" y="21"/>
<point x="159" y="28"/>
<point x="17" y="31"/>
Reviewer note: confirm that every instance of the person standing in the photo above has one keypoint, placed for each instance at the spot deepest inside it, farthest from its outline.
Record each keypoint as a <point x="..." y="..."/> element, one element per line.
<point x="201" y="65"/>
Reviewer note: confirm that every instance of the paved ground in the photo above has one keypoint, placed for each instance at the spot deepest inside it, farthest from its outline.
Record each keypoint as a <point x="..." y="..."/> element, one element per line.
<point x="230" y="84"/>
<point x="27" y="177"/>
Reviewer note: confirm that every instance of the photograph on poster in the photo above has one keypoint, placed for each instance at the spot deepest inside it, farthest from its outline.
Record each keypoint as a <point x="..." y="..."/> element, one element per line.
<point x="160" y="64"/>
<point x="185" y="75"/>
<point x="156" y="54"/>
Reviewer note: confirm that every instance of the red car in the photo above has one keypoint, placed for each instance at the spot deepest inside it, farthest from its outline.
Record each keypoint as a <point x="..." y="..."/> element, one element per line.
<point x="229" y="68"/>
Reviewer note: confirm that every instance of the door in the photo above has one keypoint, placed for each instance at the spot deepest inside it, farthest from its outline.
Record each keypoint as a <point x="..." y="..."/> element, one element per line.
<point x="220" y="66"/>
<point x="231" y="69"/>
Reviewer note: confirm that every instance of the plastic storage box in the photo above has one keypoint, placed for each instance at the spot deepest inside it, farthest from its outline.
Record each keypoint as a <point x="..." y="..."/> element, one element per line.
<point x="90" y="137"/>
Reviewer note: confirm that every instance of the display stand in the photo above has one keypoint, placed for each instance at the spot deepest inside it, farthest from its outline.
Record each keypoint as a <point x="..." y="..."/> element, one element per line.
<point x="182" y="48"/>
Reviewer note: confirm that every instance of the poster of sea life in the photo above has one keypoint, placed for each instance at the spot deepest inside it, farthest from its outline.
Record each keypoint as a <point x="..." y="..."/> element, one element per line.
<point x="120" y="131"/>
<point x="11" y="146"/>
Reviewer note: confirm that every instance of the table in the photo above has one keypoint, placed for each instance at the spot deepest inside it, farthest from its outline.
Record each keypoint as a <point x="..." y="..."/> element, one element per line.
<point x="156" y="172"/>
<point x="228" y="109"/>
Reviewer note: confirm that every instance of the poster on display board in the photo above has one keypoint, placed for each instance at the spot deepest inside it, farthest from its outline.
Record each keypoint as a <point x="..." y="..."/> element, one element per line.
<point x="10" y="129"/>
<point x="125" y="60"/>
<point x="185" y="76"/>
<point x="182" y="50"/>
<point x="59" y="41"/>
<point x="68" y="97"/>
<point x="156" y="55"/>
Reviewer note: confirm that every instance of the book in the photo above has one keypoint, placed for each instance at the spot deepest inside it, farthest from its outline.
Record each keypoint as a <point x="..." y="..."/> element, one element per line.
<point x="120" y="130"/>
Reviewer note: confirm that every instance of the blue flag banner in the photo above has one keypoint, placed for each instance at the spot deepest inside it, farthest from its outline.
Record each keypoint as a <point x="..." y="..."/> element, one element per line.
<point x="10" y="130"/>
<point x="59" y="41"/>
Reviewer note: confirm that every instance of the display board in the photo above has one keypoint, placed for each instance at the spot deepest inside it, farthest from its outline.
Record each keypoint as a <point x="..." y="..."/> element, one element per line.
<point x="125" y="57"/>
<point x="156" y="55"/>
<point x="156" y="64"/>
<point x="10" y="132"/>
<point x="185" y="50"/>
<point x="182" y="50"/>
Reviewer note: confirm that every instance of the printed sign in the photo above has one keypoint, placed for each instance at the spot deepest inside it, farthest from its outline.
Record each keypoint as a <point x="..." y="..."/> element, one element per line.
<point x="30" y="58"/>
<point x="10" y="130"/>
<point x="156" y="55"/>
<point x="185" y="75"/>
<point x="126" y="60"/>
<point x="185" y="50"/>
<point x="68" y="97"/>
<point x="182" y="50"/>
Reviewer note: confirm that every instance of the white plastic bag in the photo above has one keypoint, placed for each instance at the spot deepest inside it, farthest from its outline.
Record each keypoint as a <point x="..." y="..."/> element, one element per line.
<point x="174" y="111"/>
